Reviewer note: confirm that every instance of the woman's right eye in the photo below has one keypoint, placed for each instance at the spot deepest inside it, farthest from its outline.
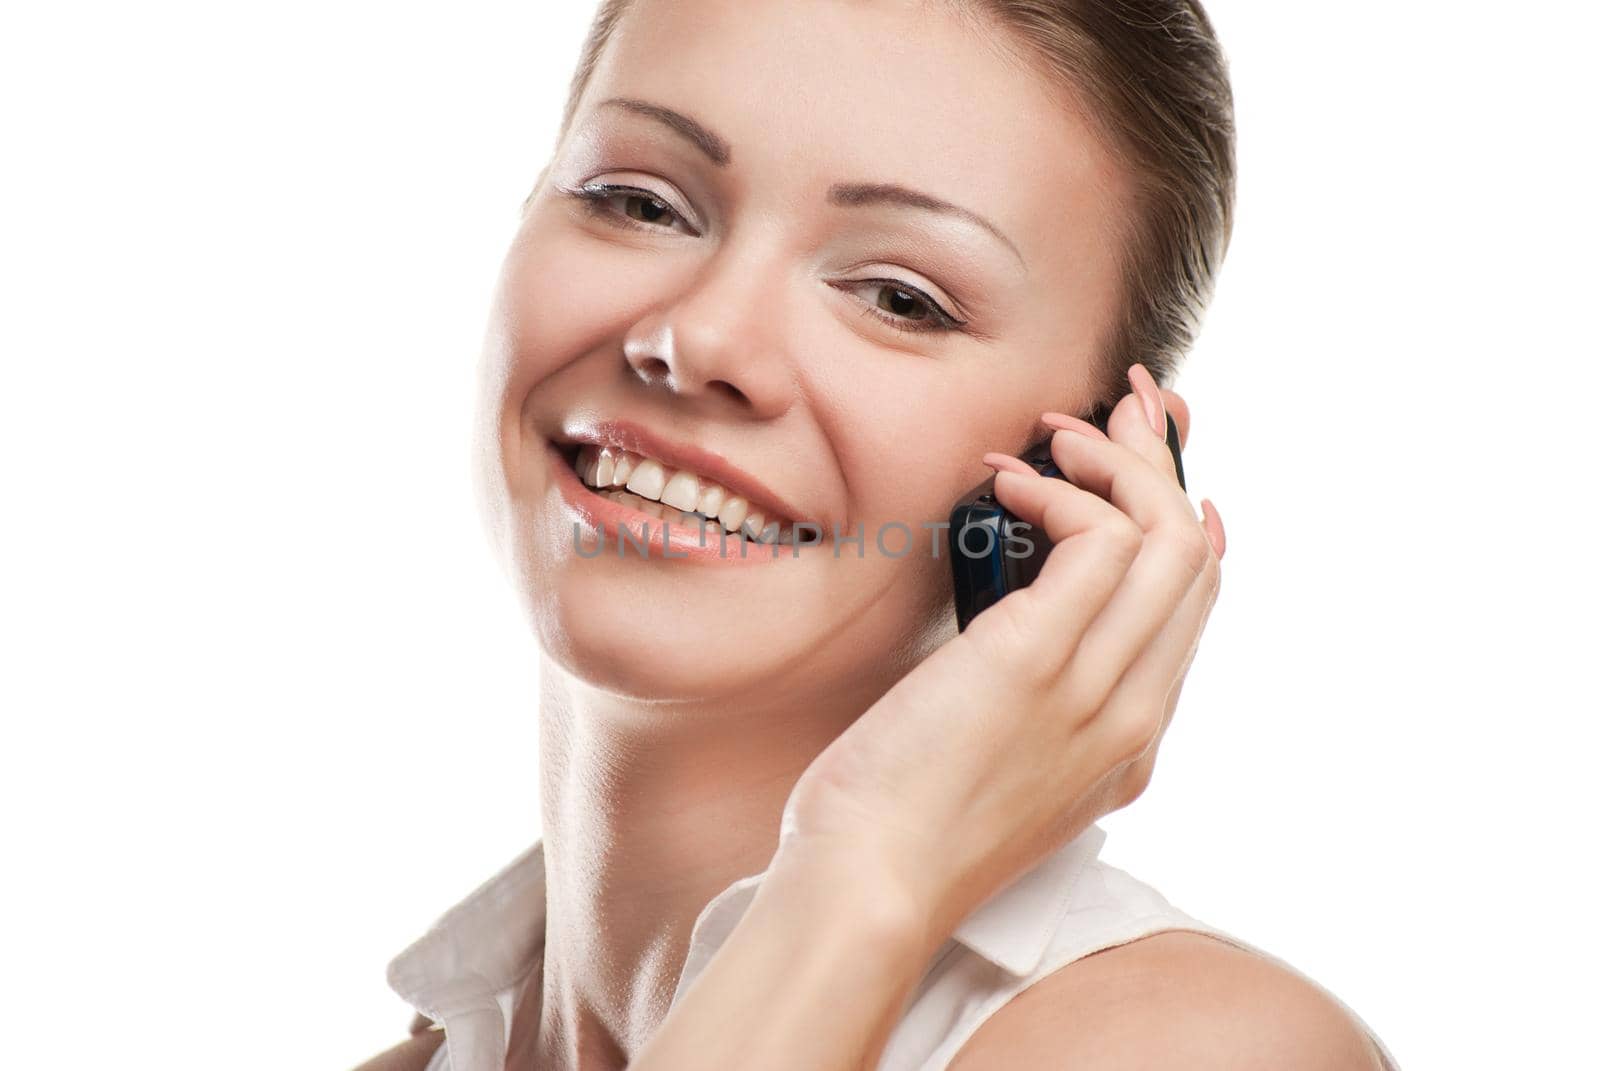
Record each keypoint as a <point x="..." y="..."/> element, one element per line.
<point x="640" y="209"/>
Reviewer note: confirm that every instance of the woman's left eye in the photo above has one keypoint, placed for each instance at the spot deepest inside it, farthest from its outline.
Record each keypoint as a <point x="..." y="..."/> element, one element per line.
<point x="911" y="309"/>
<point x="641" y="209"/>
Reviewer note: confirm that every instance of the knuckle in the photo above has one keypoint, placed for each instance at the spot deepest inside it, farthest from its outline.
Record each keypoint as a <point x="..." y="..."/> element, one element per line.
<point x="1135" y="780"/>
<point x="1188" y="548"/>
<point x="1007" y="632"/>
<point x="1120" y="539"/>
<point x="1131" y="736"/>
<point x="1211" y="578"/>
<point x="1081" y="698"/>
<point x="1194" y="550"/>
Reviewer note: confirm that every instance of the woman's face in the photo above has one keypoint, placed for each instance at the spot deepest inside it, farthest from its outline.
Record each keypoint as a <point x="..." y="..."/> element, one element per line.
<point x="784" y="296"/>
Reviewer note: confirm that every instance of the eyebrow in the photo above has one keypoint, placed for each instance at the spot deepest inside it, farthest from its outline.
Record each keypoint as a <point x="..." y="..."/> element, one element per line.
<point x="845" y="194"/>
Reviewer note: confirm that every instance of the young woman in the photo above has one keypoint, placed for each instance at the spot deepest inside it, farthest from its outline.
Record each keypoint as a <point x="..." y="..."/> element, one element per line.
<point x="810" y="262"/>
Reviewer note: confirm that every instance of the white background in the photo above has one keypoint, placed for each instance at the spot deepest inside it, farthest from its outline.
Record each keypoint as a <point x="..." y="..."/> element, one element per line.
<point x="249" y="616"/>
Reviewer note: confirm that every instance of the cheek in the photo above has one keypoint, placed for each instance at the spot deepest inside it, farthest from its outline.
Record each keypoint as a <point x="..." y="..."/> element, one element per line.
<point x="559" y="296"/>
<point x="912" y="436"/>
<point x="548" y="309"/>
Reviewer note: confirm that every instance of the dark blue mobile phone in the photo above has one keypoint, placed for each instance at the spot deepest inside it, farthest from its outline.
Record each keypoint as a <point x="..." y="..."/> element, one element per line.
<point x="992" y="552"/>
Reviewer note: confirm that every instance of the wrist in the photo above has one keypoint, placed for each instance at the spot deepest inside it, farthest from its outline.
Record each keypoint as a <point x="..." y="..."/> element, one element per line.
<point x="859" y="897"/>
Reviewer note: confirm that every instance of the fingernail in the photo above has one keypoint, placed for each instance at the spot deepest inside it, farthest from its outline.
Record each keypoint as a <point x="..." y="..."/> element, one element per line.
<point x="1144" y="385"/>
<point x="1062" y="422"/>
<point x="1007" y="463"/>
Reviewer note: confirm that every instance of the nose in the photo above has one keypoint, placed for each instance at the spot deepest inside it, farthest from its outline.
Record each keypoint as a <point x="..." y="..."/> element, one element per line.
<point x="718" y="346"/>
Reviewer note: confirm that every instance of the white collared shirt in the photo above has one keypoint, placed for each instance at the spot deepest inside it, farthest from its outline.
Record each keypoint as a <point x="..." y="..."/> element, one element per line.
<point x="467" y="970"/>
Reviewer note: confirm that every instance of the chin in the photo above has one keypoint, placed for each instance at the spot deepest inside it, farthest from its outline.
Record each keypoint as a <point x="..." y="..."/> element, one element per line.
<point x="617" y="633"/>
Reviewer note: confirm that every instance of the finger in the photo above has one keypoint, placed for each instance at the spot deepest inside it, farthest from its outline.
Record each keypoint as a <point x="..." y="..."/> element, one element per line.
<point x="1007" y="463"/>
<point x="1063" y="422"/>
<point x="1093" y="545"/>
<point x="1140" y="691"/>
<point x="1149" y="437"/>
<point x="1115" y="472"/>
<point x="1149" y="688"/>
<point x="1170" y="562"/>
<point x="1129" y="424"/>
<point x="1164" y="400"/>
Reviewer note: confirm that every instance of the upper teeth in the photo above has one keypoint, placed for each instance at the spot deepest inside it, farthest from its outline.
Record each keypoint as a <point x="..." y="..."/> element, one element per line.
<point x="606" y="467"/>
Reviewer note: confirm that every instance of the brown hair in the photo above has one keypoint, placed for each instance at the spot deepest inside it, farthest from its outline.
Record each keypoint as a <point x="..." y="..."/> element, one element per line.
<point x="1156" y="82"/>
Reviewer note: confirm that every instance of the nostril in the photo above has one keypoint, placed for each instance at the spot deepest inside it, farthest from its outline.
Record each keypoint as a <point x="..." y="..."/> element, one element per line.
<point x="723" y="387"/>
<point x="653" y="370"/>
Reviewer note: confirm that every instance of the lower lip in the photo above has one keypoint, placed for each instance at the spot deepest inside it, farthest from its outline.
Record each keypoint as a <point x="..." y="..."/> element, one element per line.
<point x="606" y="518"/>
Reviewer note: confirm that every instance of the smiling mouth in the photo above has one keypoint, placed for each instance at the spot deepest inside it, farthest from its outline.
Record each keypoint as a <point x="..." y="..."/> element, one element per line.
<point x="675" y="496"/>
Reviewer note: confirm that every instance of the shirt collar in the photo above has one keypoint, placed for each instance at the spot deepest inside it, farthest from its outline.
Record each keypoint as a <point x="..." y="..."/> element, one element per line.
<point x="484" y="945"/>
<point x="1013" y="928"/>
<point x="490" y="941"/>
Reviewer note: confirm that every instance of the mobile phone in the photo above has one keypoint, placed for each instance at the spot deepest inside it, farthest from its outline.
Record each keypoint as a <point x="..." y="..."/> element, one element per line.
<point x="992" y="552"/>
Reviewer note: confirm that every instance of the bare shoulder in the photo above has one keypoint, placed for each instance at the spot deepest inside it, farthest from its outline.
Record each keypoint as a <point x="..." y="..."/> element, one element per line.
<point x="1174" y="999"/>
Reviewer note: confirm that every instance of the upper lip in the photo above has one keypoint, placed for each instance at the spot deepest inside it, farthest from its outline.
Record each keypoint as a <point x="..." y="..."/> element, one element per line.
<point x="627" y="435"/>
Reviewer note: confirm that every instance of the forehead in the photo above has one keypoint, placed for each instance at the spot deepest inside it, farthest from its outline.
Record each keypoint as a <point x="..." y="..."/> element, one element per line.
<point x="810" y="92"/>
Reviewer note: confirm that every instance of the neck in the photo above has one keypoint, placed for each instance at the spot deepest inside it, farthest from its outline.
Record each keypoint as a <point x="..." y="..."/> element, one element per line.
<point x="649" y="810"/>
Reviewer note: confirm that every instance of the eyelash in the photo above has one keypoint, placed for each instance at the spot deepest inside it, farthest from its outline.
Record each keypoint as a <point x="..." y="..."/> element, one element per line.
<point x="595" y="197"/>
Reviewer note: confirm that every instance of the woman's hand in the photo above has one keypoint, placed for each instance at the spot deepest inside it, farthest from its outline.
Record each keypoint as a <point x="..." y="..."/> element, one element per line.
<point x="1045" y="714"/>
